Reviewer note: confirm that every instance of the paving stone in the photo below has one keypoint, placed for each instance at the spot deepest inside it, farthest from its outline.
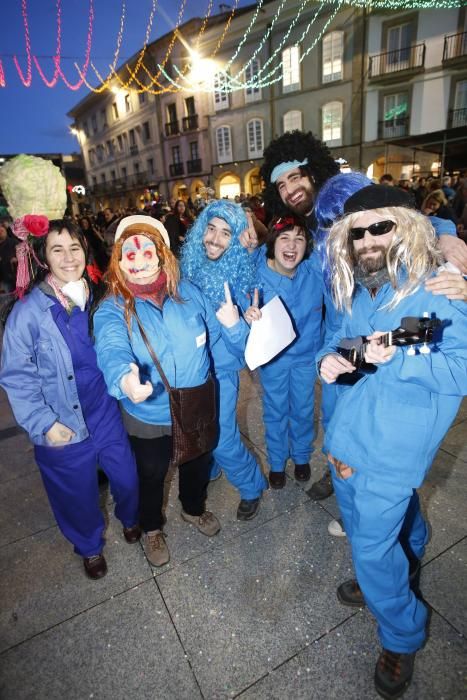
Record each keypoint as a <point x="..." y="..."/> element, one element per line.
<point x="24" y="508"/>
<point x="16" y="458"/>
<point x="455" y="442"/>
<point x="257" y="600"/>
<point x="125" y="647"/>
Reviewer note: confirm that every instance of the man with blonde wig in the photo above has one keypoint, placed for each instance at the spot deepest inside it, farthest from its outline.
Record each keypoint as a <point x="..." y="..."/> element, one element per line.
<point x="388" y="425"/>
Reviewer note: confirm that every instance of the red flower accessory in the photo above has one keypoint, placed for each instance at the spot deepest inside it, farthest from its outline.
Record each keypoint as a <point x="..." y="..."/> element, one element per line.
<point x="285" y="222"/>
<point x="36" y="225"/>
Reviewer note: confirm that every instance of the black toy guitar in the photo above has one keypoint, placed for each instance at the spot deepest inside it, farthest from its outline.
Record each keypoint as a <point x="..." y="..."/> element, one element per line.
<point x="412" y="331"/>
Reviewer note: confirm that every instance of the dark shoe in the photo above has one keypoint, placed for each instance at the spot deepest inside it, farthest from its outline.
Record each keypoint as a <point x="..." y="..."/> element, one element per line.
<point x="277" y="480"/>
<point x="302" y="472"/>
<point x="393" y="673"/>
<point x="323" y="488"/>
<point x="349" y="593"/>
<point x="96" y="566"/>
<point x="247" y="508"/>
<point x="132" y="534"/>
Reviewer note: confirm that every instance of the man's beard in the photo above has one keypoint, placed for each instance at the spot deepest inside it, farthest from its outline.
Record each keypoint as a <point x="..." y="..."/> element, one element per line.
<point x="369" y="265"/>
<point x="304" y="207"/>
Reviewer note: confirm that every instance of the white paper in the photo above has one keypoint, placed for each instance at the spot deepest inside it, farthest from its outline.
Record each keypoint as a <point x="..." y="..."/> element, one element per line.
<point x="76" y="291"/>
<point x="268" y="336"/>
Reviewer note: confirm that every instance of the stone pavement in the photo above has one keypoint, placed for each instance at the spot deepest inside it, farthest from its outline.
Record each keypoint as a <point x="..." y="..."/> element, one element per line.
<point x="249" y="614"/>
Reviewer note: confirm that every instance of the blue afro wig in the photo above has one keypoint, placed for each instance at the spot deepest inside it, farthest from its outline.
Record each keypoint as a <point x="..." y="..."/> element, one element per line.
<point x="234" y="266"/>
<point x="329" y="206"/>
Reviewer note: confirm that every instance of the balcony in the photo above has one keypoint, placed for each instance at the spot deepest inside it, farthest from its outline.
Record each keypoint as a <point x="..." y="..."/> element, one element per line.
<point x="134" y="150"/>
<point x="171" y="128"/>
<point x="394" y="128"/>
<point x="190" y="123"/>
<point x="411" y="58"/>
<point x="194" y="166"/>
<point x="455" y="46"/>
<point x="457" y="117"/>
<point x="176" y="169"/>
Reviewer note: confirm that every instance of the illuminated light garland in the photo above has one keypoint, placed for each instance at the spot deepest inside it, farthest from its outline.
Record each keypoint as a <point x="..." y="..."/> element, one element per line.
<point x="245" y="36"/>
<point x="87" y="57"/>
<point x="51" y="83"/>
<point x="226" y="28"/>
<point x="134" y="72"/>
<point x="26" y="81"/>
<point x="2" y="76"/>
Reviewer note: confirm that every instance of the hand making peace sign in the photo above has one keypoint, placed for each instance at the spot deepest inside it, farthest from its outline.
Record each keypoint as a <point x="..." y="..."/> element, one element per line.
<point x="228" y="312"/>
<point x="253" y="313"/>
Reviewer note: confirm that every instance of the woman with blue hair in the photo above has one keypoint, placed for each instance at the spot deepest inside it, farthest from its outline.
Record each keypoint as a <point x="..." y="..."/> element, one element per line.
<point x="211" y="256"/>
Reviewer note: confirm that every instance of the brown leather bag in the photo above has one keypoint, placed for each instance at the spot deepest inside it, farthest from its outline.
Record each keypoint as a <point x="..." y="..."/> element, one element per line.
<point x="193" y="413"/>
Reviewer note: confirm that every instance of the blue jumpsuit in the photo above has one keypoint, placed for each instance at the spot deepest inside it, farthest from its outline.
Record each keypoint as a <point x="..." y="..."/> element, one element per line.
<point x="288" y="380"/>
<point x="230" y="454"/>
<point x="388" y="428"/>
<point x="49" y="370"/>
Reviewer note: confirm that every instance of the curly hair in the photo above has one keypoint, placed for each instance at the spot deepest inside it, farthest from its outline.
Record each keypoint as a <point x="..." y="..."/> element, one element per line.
<point x="116" y="283"/>
<point x="412" y="252"/>
<point x="296" y="145"/>
<point x="234" y="266"/>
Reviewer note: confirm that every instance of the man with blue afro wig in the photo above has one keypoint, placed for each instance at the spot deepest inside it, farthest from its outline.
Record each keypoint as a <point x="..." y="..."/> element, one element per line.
<point x="211" y="256"/>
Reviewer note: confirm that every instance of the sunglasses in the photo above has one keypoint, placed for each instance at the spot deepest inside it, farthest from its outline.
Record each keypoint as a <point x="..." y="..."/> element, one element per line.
<point x="377" y="229"/>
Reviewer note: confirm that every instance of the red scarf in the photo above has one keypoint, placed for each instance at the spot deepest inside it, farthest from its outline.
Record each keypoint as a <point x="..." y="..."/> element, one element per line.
<point x="155" y="291"/>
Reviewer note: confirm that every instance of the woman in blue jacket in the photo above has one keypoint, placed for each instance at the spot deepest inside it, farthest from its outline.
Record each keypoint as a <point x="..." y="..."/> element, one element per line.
<point x="58" y="395"/>
<point x="180" y="325"/>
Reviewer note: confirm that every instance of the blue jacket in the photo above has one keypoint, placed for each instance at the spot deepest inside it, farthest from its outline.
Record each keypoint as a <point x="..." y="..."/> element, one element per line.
<point x="37" y="371"/>
<point x="181" y="335"/>
<point x="302" y="295"/>
<point x="391" y="423"/>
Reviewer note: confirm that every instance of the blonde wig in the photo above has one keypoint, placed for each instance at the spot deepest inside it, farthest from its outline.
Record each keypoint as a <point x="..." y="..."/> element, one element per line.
<point x="115" y="279"/>
<point x="411" y="256"/>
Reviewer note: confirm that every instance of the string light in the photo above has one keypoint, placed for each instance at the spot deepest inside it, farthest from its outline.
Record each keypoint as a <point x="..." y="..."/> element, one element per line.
<point x="26" y="81"/>
<point x="51" y="83"/>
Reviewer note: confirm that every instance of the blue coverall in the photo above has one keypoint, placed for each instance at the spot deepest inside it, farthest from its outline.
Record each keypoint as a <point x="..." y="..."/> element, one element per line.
<point x="49" y="371"/>
<point x="388" y="428"/>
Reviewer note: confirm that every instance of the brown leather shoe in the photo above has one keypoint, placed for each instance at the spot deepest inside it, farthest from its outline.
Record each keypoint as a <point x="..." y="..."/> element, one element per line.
<point x="132" y="534"/>
<point x="277" y="480"/>
<point x="302" y="472"/>
<point x="393" y="673"/>
<point x="95" y="566"/>
<point x="349" y="593"/>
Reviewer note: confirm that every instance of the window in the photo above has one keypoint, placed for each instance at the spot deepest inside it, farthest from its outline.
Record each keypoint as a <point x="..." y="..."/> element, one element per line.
<point x="190" y="106"/>
<point x="132" y="137"/>
<point x="221" y="97"/>
<point x="291" y="69"/>
<point x="94" y="124"/>
<point x="333" y="49"/>
<point x="113" y="176"/>
<point x="100" y="153"/>
<point x="120" y="142"/>
<point x="94" y="180"/>
<point x="92" y="156"/>
<point x="194" y="151"/>
<point x="399" y="41"/>
<point x="251" y="76"/>
<point x="395" y="115"/>
<point x="115" y="110"/>
<point x="103" y="177"/>
<point x="176" y="156"/>
<point x="146" y="131"/>
<point x="224" y="144"/>
<point x="332" y="123"/>
<point x="110" y="148"/>
<point x="124" y="171"/>
<point x="127" y="103"/>
<point x="293" y="120"/>
<point x="142" y="98"/>
<point x="136" y="168"/>
<point x="172" y="113"/>
<point x="254" y="130"/>
<point x="86" y="128"/>
<point x="103" y="119"/>
<point x="150" y="164"/>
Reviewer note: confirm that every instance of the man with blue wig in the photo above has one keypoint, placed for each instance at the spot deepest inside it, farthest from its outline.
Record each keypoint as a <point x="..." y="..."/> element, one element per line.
<point x="213" y="255"/>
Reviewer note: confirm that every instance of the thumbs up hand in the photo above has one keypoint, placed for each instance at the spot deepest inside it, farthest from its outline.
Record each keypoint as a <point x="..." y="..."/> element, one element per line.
<point x="228" y="312"/>
<point x="132" y="387"/>
<point x="253" y="313"/>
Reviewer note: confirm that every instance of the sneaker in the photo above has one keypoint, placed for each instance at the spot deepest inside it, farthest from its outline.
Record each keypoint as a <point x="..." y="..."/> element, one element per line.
<point x="323" y="488"/>
<point x="302" y="472"/>
<point x="247" y="508"/>
<point x="95" y="566"/>
<point x="393" y="673"/>
<point x="277" y="480"/>
<point x="336" y="528"/>
<point x="207" y="523"/>
<point x="155" y="548"/>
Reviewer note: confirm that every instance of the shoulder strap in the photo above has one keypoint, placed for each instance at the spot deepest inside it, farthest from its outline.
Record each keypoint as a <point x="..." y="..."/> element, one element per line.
<point x="152" y="353"/>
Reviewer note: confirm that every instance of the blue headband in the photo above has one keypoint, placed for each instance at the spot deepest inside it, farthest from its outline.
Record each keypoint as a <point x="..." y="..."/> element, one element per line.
<point x="285" y="167"/>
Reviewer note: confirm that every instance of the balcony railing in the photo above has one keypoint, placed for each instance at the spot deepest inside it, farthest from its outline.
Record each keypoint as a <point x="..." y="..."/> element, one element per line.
<point x="457" y="117"/>
<point x="189" y="123"/>
<point x="193" y="166"/>
<point x="171" y="128"/>
<point x="134" y="150"/>
<point x="455" y="46"/>
<point x="409" y="58"/>
<point x="394" y="128"/>
<point x="176" y="169"/>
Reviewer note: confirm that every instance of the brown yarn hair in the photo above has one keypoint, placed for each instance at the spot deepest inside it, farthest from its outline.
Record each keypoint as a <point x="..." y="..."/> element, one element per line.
<point x="115" y="279"/>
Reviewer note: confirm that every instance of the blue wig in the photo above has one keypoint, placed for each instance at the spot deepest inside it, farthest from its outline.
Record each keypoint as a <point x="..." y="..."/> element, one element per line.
<point x="234" y="266"/>
<point x="329" y="206"/>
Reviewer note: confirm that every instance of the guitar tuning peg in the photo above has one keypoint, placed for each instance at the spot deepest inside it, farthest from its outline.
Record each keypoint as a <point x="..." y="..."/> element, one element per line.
<point x="425" y="350"/>
<point x="411" y="351"/>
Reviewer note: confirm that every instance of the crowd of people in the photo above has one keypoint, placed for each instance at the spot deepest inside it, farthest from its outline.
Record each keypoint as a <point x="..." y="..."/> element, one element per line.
<point x="116" y="308"/>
